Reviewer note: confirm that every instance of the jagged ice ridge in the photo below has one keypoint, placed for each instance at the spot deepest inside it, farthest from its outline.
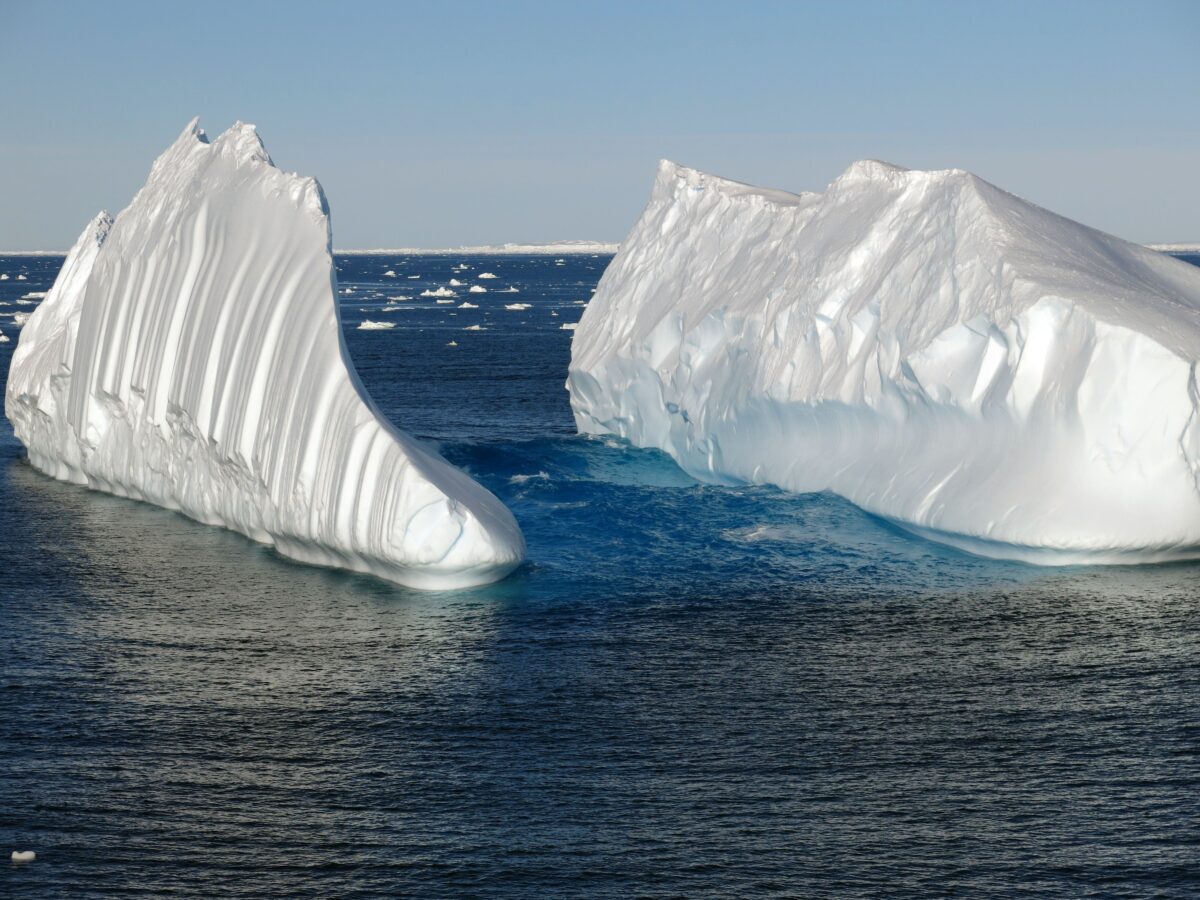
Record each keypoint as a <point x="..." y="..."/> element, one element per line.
<point x="936" y="350"/>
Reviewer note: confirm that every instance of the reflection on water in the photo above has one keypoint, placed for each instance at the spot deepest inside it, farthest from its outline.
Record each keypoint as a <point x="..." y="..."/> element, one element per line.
<point x="690" y="690"/>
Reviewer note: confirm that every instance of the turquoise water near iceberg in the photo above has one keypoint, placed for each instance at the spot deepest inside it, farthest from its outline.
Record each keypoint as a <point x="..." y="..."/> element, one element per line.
<point x="688" y="691"/>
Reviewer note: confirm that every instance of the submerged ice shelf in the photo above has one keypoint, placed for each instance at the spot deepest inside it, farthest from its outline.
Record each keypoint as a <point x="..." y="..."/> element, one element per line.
<point x="934" y="349"/>
<point x="190" y="354"/>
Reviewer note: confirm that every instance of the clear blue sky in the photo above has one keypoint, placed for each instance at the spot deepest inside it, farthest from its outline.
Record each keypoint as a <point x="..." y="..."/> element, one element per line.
<point x="443" y="123"/>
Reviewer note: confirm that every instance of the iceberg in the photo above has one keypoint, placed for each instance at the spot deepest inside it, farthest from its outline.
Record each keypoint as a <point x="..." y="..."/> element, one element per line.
<point x="941" y="353"/>
<point x="190" y="354"/>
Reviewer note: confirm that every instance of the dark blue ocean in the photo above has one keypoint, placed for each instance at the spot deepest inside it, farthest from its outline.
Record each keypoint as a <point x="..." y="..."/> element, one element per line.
<point x="688" y="691"/>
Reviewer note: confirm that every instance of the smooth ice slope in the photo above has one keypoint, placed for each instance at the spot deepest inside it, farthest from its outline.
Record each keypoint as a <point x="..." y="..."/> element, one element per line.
<point x="934" y="349"/>
<point x="190" y="355"/>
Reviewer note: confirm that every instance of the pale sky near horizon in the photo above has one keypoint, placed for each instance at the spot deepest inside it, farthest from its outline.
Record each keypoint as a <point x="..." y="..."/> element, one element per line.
<point x="443" y="124"/>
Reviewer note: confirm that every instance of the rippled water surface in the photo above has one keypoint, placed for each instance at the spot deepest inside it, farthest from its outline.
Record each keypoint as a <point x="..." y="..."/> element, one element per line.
<point x="690" y="690"/>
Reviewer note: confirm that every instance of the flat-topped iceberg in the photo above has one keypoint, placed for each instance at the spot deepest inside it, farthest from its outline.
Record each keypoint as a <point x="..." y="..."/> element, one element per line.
<point x="190" y="354"/>
<point x="940" y="352"/>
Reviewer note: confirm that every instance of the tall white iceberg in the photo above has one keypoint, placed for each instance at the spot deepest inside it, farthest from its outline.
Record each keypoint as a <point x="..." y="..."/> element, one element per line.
<point x="934" y="349"/>
<point x="190" y="355"/>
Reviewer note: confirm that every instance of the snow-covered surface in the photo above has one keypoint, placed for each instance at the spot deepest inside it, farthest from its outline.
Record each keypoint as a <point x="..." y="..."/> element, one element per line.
<point x="190" y="354"/>
<point x="936" y="350"/>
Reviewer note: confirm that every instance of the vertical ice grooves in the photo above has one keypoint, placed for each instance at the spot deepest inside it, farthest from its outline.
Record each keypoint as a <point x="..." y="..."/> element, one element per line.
<point x="190" y="355"/>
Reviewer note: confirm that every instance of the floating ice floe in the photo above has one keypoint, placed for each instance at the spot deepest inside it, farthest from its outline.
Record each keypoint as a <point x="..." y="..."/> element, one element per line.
<point x="190" y="355"/>
<point x="466" y="304"/>
<point x="3" y="276"/>
<point x="23" y="856"/>
<point x="517" y="306"/>
<point x="440" y="292"/>
<point x="943" y="354"/>
<point x="399" y="298"/>
<point x="454" y="282"/>
<point x="474" y="328"/>
<point x="368" y="325"/>
<point x="568" y="326"/>
<point x="509" y="290"/>
<point x="522" y="479"/>
<point x="442" y="302"/>
<point x="477" y="289"/>
<point x="22" y="278"/>
<point x="485" y="275"/>
<point x="34" y="295"/>
<point x="389" y="274"/>
<point x="3" y="338"/>
<point x="452" y="344"/>
<point x="20" y="319"/>
<point x="413" y="277"/>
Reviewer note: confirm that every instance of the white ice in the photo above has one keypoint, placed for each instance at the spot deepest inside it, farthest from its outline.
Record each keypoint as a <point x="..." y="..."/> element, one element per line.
<point x="190" y="355"/>
<point x="938" y="351"/>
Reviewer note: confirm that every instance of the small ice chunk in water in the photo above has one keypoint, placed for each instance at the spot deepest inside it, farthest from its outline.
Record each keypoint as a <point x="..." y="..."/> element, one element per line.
<point x="485" y="275"/>
<point x="368" y="325"/>
<point x="23" y="856"/>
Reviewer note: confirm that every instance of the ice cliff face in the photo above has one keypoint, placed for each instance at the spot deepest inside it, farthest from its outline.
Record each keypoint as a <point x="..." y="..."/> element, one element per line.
<point x="190" y="355"/>
<point x="936" y="350"/>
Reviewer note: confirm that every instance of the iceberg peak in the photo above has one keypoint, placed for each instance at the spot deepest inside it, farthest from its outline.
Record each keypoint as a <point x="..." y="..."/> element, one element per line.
<point x="190" y="354"/>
